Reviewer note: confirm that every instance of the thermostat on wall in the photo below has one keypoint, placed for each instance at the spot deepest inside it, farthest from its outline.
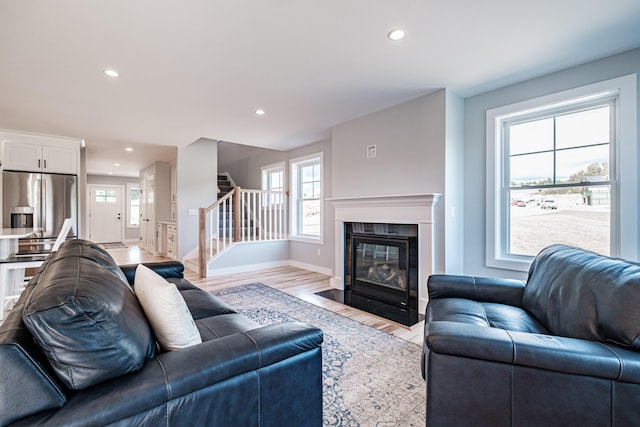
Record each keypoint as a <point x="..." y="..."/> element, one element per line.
<point x="371" y="151"/>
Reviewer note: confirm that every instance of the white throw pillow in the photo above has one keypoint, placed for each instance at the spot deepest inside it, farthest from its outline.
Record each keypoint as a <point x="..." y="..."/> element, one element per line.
<point x="166" y="310"/>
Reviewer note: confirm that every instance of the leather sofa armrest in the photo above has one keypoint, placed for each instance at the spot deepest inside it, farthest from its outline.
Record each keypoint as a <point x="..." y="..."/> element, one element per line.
<point x="166" y="269"/>
<point x="183" y="372"/>
<point x="484" y="289"/>
<point x="547" y="352"/>
<point x="223" y="358"/>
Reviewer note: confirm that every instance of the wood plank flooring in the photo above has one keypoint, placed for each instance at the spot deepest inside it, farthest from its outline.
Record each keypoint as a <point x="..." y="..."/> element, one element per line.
<point x="298" y="282"/>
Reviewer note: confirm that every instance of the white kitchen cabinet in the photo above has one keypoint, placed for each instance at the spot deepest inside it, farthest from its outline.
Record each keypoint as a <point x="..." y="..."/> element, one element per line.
<point x="174" y="192"/>
<point x="40" y="153"/>
<point x="162" y="238"/>
<point x="172" y="241"/>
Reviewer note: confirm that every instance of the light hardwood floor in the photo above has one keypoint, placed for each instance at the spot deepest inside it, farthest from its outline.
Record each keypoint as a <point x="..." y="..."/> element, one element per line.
<point x="298" y="282"/>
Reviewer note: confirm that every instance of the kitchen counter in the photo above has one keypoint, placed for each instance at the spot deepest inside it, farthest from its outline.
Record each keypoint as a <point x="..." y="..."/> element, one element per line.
<point x="9" y="240"/>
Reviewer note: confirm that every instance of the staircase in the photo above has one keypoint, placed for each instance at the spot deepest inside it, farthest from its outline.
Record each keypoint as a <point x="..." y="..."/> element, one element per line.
<point x="238" y="216"/>
<point x="225" y="185"/>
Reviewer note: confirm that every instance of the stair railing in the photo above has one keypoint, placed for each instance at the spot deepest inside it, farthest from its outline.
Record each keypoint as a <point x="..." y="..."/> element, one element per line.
<point x="240" y="216"/>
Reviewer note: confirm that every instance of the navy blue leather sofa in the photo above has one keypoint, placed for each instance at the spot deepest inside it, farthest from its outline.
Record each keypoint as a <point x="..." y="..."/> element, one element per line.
<point x="562" y="349"/>
<point x="243" y="374"/>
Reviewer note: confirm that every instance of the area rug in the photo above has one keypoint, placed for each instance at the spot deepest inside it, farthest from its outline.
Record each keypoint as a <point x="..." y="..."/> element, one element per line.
<point x="370" y="378"/>
<point x="116" y="245"/>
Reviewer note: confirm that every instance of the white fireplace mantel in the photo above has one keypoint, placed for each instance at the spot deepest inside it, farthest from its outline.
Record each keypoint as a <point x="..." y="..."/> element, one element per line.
<point x="402" y="209"/>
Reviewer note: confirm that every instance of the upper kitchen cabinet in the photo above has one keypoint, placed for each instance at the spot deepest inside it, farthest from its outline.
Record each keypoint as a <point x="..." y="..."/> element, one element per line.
<point x="40" y="153"/>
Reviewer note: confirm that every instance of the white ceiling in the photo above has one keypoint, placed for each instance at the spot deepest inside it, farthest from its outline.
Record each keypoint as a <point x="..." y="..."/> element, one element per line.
<point x="200" y="68"/>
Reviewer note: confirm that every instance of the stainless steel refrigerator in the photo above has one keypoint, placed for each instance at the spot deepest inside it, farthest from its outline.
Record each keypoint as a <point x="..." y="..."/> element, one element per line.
<point x="40" y="200"/>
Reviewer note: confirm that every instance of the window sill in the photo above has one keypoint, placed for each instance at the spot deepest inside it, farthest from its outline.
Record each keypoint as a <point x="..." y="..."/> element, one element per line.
<point x="514" y="263"/>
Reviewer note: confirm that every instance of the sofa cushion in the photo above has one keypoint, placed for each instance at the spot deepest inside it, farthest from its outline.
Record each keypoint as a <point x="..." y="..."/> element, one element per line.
<point x="202" y="304"/>
<point x="88" y="322"/>
<point x="580" y="294"/>
<point x="91" y="251"/>
<point x="223" y="325"/>
<point x="485" y="314"/>
<point x="166" y="310"/>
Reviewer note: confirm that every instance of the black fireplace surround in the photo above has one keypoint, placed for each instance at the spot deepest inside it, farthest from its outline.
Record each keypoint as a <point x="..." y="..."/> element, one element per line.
<point x="381" y="269"/>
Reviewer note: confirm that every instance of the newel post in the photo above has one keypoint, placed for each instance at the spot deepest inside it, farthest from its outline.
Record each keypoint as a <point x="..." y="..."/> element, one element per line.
<point x="236" y="215"/>
<point x="202" y="247"/>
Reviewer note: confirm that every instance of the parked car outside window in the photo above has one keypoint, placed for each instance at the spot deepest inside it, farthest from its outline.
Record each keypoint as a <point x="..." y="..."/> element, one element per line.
<point x="549" y="204"/>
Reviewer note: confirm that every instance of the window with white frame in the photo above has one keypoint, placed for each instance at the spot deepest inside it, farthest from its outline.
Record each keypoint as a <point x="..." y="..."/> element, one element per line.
<point x="554" y="176"/>
<point x="273" y="180"/>
<point x="306" y="197"/>
<point x="273" y="177"/>
<point x="133" y="205"/>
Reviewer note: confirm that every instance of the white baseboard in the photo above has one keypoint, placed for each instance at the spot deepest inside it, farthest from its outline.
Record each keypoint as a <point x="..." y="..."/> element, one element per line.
<point x="265" y="265"/>
<point x="311" y="267"/>
<point x="245" y="268"/>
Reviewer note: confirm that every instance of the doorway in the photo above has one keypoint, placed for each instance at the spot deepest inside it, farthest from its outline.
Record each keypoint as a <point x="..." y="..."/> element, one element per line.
<point x="106" y="210"/>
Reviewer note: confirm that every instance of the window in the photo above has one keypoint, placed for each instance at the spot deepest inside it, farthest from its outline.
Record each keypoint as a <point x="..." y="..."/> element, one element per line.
<point x="273" y="180"/>
<point x="554" y="175"/>
<point x="273" y="177"/>
<point x="133" y="206"/>
<point x="557" y="169"/>
<point x="306" y="186"/>
<point x="106" y="196"/>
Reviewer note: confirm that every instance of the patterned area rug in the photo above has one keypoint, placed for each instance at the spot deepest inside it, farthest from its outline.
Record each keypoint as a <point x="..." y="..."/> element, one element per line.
<point x="370" y="378"/>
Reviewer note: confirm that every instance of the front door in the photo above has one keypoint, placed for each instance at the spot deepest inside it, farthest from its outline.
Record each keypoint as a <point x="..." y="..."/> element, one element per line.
<point x="105" y="214"/>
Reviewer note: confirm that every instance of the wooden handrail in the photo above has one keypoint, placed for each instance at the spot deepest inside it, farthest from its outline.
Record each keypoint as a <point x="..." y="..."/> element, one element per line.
<point x="220" y="200"/>
<point x="255" y="215"/>
<point x="202" y="231"/>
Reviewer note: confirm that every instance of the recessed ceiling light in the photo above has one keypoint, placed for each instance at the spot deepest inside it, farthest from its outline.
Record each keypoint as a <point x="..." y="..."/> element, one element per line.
<point x="116" y="164"/>
<point x="396" y="34"/>
<point x="111" y="73"/>
<point x="129" y="149"/>
<point x="110" y="173"/>
<point x="260" y="112"/>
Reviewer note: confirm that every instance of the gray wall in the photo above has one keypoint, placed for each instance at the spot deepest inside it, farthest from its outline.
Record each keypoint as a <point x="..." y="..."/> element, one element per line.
<point x="414" y="142"/>
<point x="475" y="148"/>
<point x="409" y="139"/>
<point x="245" y="171"/>
<point x="320" y="255"/>
<point x="129" y="233"/>
<point x="452" y="204"/>
<point x="197" y="169"/>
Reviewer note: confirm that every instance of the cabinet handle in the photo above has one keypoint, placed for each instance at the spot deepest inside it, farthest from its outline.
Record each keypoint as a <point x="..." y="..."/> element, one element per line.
<point x="45" y="163"/>
<point x="38" y="163"/>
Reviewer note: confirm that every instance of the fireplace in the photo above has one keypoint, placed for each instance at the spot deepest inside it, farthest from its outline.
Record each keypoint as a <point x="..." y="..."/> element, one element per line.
<point x="387" y="217"/>
<point x="381" y="269"/>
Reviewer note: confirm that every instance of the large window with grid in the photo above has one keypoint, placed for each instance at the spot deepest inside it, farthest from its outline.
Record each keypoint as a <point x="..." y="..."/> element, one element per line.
<point x="306" y="193"/>
<point x="554" y="176"/>
<point x="557" y="180"/>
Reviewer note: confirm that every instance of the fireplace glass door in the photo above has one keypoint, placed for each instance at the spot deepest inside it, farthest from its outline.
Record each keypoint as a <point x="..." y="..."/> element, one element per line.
<point x="380" y="268"/>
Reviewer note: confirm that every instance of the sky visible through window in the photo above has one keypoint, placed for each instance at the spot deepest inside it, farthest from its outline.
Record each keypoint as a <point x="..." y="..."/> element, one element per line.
<point x="558" y="173"/>
<point x="581" y="139"/>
